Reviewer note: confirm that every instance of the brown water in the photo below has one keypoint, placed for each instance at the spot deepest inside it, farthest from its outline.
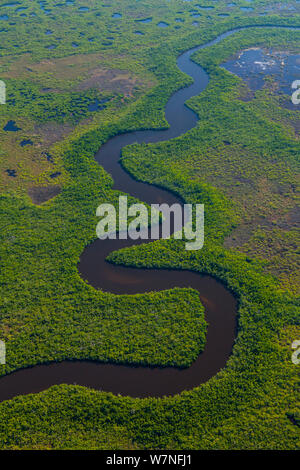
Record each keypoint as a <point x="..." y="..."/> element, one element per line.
<point x="219" y="303"/>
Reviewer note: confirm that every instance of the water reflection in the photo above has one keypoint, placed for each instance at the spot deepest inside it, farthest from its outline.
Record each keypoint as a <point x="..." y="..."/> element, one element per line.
<point x="254" y="65"/>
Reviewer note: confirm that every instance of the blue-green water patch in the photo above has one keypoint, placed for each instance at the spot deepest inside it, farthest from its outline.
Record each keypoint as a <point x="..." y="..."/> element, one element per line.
<point x="26" y="142"/>
<point x="145" y="20"/>
<point x="162" y="24"/>
<point x="254" y="65"/>
<point x="11" y="126"/>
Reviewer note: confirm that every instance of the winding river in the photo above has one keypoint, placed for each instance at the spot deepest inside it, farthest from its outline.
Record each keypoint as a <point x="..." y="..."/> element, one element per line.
<point x="220" y="305"/>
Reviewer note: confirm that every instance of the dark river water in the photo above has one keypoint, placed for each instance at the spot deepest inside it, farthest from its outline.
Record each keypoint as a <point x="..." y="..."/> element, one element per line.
<point x="220" y="304"/>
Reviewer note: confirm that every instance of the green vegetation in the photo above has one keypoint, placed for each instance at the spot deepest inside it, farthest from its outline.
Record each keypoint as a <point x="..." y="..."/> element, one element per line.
<point x="63" y="107"/>
<point x="49" y="313"/>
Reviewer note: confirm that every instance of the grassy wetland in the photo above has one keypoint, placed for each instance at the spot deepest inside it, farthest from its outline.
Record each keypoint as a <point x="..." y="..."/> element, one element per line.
<point x="77" y="75"/>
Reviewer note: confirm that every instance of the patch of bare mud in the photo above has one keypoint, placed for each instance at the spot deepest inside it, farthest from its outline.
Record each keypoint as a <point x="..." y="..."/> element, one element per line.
<point x="40" y="194"/>
<point x="119" y="81"/>
<point x="52" y="132"/>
